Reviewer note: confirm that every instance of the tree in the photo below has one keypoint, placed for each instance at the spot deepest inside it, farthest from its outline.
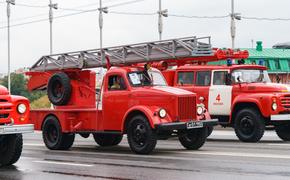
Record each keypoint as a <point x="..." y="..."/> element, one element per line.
<point x="18" y="87"/>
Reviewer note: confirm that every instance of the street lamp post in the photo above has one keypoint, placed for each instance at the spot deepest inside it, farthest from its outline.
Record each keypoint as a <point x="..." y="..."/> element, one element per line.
<point x="234" y="16"/>
<point x="101" y="24"/>
<point x="51" y="7"/>
<point x="9" y="2"/>
<point x="161" y="14"/>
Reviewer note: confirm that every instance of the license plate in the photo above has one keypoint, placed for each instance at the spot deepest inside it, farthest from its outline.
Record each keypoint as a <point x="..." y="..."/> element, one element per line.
<point x="193" y="124"/>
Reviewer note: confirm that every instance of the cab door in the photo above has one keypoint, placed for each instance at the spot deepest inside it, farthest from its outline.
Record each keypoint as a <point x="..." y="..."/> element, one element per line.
<point x="115" y="102"/>
<point x="220" y="94"/>
<point x="202" y="85"/>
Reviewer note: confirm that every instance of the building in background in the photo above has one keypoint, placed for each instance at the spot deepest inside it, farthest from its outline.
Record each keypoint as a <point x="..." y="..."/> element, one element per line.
<point x="276" y="59"/>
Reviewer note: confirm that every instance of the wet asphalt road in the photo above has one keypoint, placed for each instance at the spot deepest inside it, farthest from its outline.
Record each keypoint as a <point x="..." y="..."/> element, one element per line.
<point x="222" y="157"/>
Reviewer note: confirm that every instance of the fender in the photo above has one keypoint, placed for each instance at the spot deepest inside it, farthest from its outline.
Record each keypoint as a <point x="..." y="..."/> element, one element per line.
<point x="151" y="112"/>
<point x="263" y="102"/>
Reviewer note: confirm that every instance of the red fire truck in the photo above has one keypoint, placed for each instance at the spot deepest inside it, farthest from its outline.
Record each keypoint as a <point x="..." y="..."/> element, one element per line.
<point x="240" y="96"/>
<point x="133" y="100"/>
<point x="14" y="118"/>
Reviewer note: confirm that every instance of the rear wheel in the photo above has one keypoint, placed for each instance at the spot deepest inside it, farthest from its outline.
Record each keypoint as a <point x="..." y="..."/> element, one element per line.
<point x="53" y="137"/>
<point x="249" y="125"/>
<point x="108" y="139"/>
<point x="194" y="139"/>
<point x="141" y="137"/>
<point x="10" y="149"/>
<point x="283" y="131"/>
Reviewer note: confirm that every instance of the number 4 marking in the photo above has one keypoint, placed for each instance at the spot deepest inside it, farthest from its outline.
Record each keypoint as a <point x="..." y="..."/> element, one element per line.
<point x="218" y="98"/>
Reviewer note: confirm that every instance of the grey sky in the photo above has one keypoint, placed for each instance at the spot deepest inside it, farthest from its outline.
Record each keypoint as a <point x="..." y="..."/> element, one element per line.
<point x="81" y="32"/>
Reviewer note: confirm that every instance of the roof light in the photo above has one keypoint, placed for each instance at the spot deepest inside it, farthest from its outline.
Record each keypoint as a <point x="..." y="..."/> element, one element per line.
<point x="229" y="62"/>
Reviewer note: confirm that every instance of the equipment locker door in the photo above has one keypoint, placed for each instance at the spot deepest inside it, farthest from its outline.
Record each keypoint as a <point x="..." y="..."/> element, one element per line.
<point x="220" y="94"/>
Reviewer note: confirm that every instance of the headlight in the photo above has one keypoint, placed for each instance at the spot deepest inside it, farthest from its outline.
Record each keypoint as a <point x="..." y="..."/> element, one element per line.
<point x="199" y="110"/>
<point x="21" y="108"/>
<point x="274" y="106"/>
<point x="162" y="113"/>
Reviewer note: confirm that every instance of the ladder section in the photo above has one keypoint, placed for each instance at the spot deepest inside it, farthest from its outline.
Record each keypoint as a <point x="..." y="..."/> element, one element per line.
<point x="127" y="55"/>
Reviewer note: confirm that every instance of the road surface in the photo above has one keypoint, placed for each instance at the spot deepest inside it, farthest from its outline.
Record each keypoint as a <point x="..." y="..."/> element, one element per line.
<point x="222" y="157"/>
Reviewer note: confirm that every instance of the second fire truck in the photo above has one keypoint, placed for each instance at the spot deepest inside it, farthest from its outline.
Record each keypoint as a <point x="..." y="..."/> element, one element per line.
<point x="239" y="95"/>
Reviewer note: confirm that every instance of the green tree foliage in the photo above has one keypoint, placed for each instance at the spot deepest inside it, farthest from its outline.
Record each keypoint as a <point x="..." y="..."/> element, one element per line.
<point x="18" y="87"/>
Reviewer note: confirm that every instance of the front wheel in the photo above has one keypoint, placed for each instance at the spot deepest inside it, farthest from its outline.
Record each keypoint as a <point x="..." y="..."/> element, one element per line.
<point x="283" y="131"/>
<point x="10" y="149"/>
<point x="53" y="137"/>
<point x="249" y="125"/>
<point x="141" y="137"/>
<point x="194" y="139"/>
<point x="209" y="130"/>
<point x="107" y="139"/>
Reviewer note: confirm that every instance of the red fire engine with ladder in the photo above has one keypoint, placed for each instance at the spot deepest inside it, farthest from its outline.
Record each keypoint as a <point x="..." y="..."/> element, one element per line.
<point x="134" y="99"/>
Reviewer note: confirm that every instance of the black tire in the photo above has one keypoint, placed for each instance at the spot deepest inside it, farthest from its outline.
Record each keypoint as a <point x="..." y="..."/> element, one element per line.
<point x="53" y="137"/>
<point x="249" y="125"/>
<point x="194" y="139"/>
<point x="141" y="137"/>
<point x="107" y="139"/>
<point x="209" y="130"/>
<point x="10" y="149"/>
<point x="283" y="131"/>
<point x="59" y="89"/>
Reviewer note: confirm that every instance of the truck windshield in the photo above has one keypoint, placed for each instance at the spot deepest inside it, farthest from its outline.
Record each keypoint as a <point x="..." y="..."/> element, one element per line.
<point x="250" y="76"/>
<point x="149" y="78"/>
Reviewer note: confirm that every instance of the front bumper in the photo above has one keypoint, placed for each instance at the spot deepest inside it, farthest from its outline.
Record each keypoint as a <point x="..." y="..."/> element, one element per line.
<point x="186" y="125"/>
<point x="280" y="117"/>
<point x="16" y="129"/>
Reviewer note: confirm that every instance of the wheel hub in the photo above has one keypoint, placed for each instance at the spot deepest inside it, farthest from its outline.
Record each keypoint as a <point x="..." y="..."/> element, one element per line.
<point x="246" y="125"/>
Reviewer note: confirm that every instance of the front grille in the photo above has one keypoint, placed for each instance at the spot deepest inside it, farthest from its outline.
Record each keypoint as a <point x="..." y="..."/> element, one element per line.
<point x="285" y="101"/>
<point x="4" y="116"/>
<point x="186" y="108"/>
<point x="3" y="100"/>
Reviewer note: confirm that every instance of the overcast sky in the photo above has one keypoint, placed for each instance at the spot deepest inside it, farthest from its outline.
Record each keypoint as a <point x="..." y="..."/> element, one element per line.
<point x="80" y="32"/>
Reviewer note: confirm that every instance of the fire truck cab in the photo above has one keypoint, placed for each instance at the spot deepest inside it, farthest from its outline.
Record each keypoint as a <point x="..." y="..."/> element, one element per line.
<point x="132" y="101"/>
<point x="14" y="119"/>
<point x="240" y="96"/>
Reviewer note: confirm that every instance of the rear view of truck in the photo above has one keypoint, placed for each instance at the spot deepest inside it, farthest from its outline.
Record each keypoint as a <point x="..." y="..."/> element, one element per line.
<point x="14" y="115"/>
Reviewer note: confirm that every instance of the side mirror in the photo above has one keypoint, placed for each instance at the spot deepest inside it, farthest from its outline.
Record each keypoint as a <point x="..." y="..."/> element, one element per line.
<point x="228" y="79"/>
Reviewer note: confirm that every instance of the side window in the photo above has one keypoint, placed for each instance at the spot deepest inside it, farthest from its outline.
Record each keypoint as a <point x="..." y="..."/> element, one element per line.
<point x="202" y="78"/>
<point x="185" y="78"/>
<point x="219" y="78"/>
<point x="116" y="82"/>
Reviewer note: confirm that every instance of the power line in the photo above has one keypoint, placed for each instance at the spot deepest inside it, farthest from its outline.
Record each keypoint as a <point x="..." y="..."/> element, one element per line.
<point x="125" y="3"/>
<point x="31" y="6"/>
<point x="132" y="13"/>
<point x="75" y="9"/>
<point x="199" y="17"/>
<point x="57" y="17"/>
<point x="266" y="19"/>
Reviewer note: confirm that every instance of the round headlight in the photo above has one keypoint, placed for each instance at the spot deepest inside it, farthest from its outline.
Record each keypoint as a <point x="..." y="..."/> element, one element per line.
<point x="274" y="106"/>
<point x="162" y="113"/>
<point x="199" y="110"/>
<point x="21" y="108"/>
